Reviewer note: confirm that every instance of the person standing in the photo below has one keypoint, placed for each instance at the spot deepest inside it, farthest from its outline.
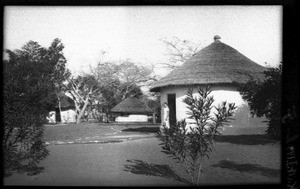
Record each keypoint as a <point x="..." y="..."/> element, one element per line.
<point x="166" y="122"/>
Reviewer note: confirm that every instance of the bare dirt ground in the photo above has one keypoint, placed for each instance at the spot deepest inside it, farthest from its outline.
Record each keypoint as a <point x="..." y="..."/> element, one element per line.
<point x="131" y="156"/>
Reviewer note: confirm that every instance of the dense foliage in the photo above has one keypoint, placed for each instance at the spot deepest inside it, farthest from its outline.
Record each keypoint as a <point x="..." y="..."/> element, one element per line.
<point x="31" y="78"/>
<point x="190" y="145"/>
<point x="264" y="98"/>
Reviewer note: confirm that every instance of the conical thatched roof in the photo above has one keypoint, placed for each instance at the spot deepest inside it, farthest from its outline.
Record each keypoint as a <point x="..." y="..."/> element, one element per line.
<point x="217" y="63"/>
<point x="65" y="101"/>
<point x="132" y="105"/>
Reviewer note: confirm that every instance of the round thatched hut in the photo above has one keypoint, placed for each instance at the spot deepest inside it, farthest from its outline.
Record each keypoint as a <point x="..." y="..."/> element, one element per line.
<point x="132" y="109"/>
<point x="218" y="65"/>
<point x="64" y="110"/>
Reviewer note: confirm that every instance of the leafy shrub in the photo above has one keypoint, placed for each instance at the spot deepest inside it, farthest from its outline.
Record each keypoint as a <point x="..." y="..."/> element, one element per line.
<point x="264" y="98"/>
<point x="191" y="145"/>
<point x="28" y="95"/>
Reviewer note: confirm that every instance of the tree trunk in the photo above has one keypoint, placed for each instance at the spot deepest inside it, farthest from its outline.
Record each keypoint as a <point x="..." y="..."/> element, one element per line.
<point x="107" y="117"/>
<point x="154" y="120"/>
<point x="59" y="108"/>
<point x="86" y="102"/>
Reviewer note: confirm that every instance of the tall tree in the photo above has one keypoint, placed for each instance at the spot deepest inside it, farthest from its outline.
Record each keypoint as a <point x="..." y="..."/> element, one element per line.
<point x="31" y="77"/>
<point x="87" y="89"/>
<point x="121" y="81"/>
<point x="61" y="73"/>
<point x="82" y="89"/>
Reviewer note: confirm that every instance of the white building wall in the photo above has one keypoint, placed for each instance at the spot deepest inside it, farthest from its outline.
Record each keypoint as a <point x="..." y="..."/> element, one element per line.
<point x="51" y="117"/>
<point x="220" y="93"/>
<point x="68" y="116"/>
<point x="132" y="118"/>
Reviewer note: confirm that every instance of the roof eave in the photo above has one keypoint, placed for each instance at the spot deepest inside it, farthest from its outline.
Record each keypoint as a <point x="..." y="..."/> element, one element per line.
<point x="131" y="111"/>
<point x="158" y="88"/>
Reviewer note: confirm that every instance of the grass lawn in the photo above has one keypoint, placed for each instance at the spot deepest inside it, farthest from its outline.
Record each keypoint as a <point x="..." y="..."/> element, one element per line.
<point x="67" y="132"/>
<point x="100" y="131"/>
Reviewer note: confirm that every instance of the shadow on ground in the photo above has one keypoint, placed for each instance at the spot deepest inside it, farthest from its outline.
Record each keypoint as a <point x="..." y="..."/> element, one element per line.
<point x="142" y="129"/>
<point x="248" y="168"/>
<point x="150" y="169"/>
<point x="23" y="169"/>
<point x="245" y="139"/>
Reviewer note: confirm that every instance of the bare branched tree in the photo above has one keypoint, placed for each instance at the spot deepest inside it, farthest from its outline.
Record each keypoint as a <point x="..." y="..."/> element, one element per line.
<point x="179" y="51"/>
<point x="81" y="89"/>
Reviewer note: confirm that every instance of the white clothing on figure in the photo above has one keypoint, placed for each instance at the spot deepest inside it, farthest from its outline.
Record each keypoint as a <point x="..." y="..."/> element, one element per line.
<point x="166" y="117"/>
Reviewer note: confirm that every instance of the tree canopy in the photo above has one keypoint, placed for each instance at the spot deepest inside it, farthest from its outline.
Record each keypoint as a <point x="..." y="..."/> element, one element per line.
<point x="264" y="98"/>
<point x="32" y="75"/>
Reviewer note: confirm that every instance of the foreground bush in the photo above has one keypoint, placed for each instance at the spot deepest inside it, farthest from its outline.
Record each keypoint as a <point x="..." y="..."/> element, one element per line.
<point x="30" y="79"/>
<point x="190" y="146"/>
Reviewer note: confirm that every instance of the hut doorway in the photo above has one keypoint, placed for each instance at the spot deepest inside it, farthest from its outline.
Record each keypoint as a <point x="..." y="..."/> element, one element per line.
<point x="172" y="107"/>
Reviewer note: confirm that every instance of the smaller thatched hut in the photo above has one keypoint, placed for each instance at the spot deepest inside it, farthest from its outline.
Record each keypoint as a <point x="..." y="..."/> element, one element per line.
<point x="132" y="109"/>
<point x="64" y="110"/>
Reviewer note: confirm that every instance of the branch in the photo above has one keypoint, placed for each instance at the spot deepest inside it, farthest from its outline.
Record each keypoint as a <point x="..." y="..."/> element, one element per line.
<point x="75" y="90"/>
<point x="169" y="66"/>
<point x="174" y="46"/>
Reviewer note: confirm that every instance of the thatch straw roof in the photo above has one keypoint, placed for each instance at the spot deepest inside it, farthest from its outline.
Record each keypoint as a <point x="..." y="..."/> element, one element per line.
<point x="65" y="101"/>
<point x="132" y="105"/>
<point x="217" y="63"/>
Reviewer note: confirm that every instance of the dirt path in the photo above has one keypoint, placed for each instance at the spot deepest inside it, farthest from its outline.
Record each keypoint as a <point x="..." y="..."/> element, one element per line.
<point x="141" y="163"/>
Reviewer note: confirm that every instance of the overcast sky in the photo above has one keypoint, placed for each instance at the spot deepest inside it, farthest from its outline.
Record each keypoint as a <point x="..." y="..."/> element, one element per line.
<point x="134" y="32"/>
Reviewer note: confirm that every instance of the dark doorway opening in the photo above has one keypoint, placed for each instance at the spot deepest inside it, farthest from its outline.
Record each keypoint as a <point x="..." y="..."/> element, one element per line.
<point x="172" y="108"/>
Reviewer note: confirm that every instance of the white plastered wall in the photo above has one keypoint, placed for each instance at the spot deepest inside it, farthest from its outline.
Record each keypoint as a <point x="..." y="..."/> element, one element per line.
<point x="68" y="116"/>
<point x="220" y="93"/>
